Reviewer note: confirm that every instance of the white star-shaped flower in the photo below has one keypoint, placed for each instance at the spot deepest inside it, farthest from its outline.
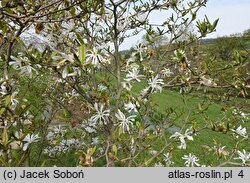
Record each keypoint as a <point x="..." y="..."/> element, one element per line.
<point x="100" y="116"/>
<point x="243" y="156"/>
<point x="191" y="160"/>
<point x="167" y="159"/>
<point x="130" y="107"/>
<point x="94" y="57"/>
<point x="155" y="84"/>
<point x="166" y="72"/>
<point x="29" y="139"/>
<point x="241" y="131"/>
<point x="125" y="122"/>
<point x="133" y="74"/>
<point x="182" y="138"/>
<point x="126" y="85"/>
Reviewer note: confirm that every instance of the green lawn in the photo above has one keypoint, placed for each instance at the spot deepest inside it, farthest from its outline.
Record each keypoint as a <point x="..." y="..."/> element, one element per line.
<point x="184" y="105"/>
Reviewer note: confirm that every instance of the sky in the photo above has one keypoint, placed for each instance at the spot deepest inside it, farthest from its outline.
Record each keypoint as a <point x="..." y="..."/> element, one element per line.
<point x="234" y="17"/>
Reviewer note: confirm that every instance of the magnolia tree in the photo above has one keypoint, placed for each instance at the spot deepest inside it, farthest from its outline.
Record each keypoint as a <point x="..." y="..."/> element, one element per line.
<point x="68" y="92"/>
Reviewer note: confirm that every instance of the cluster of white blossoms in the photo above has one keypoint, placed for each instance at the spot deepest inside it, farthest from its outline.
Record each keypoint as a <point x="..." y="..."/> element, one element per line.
<point x="59" y="130"/>
<point x="132" y="69"/>
<point x="191" y="160"/>
<point x="244" y="116"/>
<point x="123" y="24"/>
<point x="67" y="30"/>
<point x="66" y="61"/>
<point x="23" y="64"/>
<point x="166" y="72"/>
<point x="6" y="88"/>
<point x="140" y="49"/>
<point x="133" y="73"/>
<point x="13" y="98"/>
<point x="207" y="81"/>
<point x="88" y="126"/>
<point x="167" y="159"/>
<point x="62" y="139"/>
<point x="54" y="131"/>
<point x="102" y="88"/>
<point x="3" y="87"/>
<point x="241" y="131"/>
<point x="51" y="151"/>
<point x="23" y="142"/>
<point x="243" y="156"/>
<point x="72" y="143"/>
<point x="101" y="118"/>
<point x="187" y="135"/>
<point x="158" y="164"/>
<point x="63" y="147"/>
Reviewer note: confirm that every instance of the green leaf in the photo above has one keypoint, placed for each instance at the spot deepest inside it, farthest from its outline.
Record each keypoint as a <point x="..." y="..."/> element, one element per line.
<point x="43" y="163"/>
<point x="138" y="124"/>
<point x="193" y="16"/>
<point x="72" y="11"/>
<point x="79" y="38"/>
<point x="149" y="38"/>
<point x="82" y="53"/>
<point x="151" y="137"/>
<point x="1" y="146"/>
<point x="199" y="106"/>
<point x="4" y="3"/>
<point x="8" y="143"/>
<point x="2" y="110"/>
<point x="215" y="24"/>
<point x="114" y="149"/>
<point x="67" y="113"/>
<point x="3" y="162"/>
<point x="5" y="136"/>
<point x="91" y="151"/>
<point x="63" y="118"/>
<point x="119" y="131"/>
<point x="23" y="109"/>
<point x="8" y="101"/>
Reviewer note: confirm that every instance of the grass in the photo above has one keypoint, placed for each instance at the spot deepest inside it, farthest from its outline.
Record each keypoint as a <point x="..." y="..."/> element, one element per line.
<point x="185" y="104"/>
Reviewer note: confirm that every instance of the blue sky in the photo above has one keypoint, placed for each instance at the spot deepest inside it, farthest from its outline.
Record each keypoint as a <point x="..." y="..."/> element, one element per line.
<point x="228" y="2"/>
<point x="234" y="18"/>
